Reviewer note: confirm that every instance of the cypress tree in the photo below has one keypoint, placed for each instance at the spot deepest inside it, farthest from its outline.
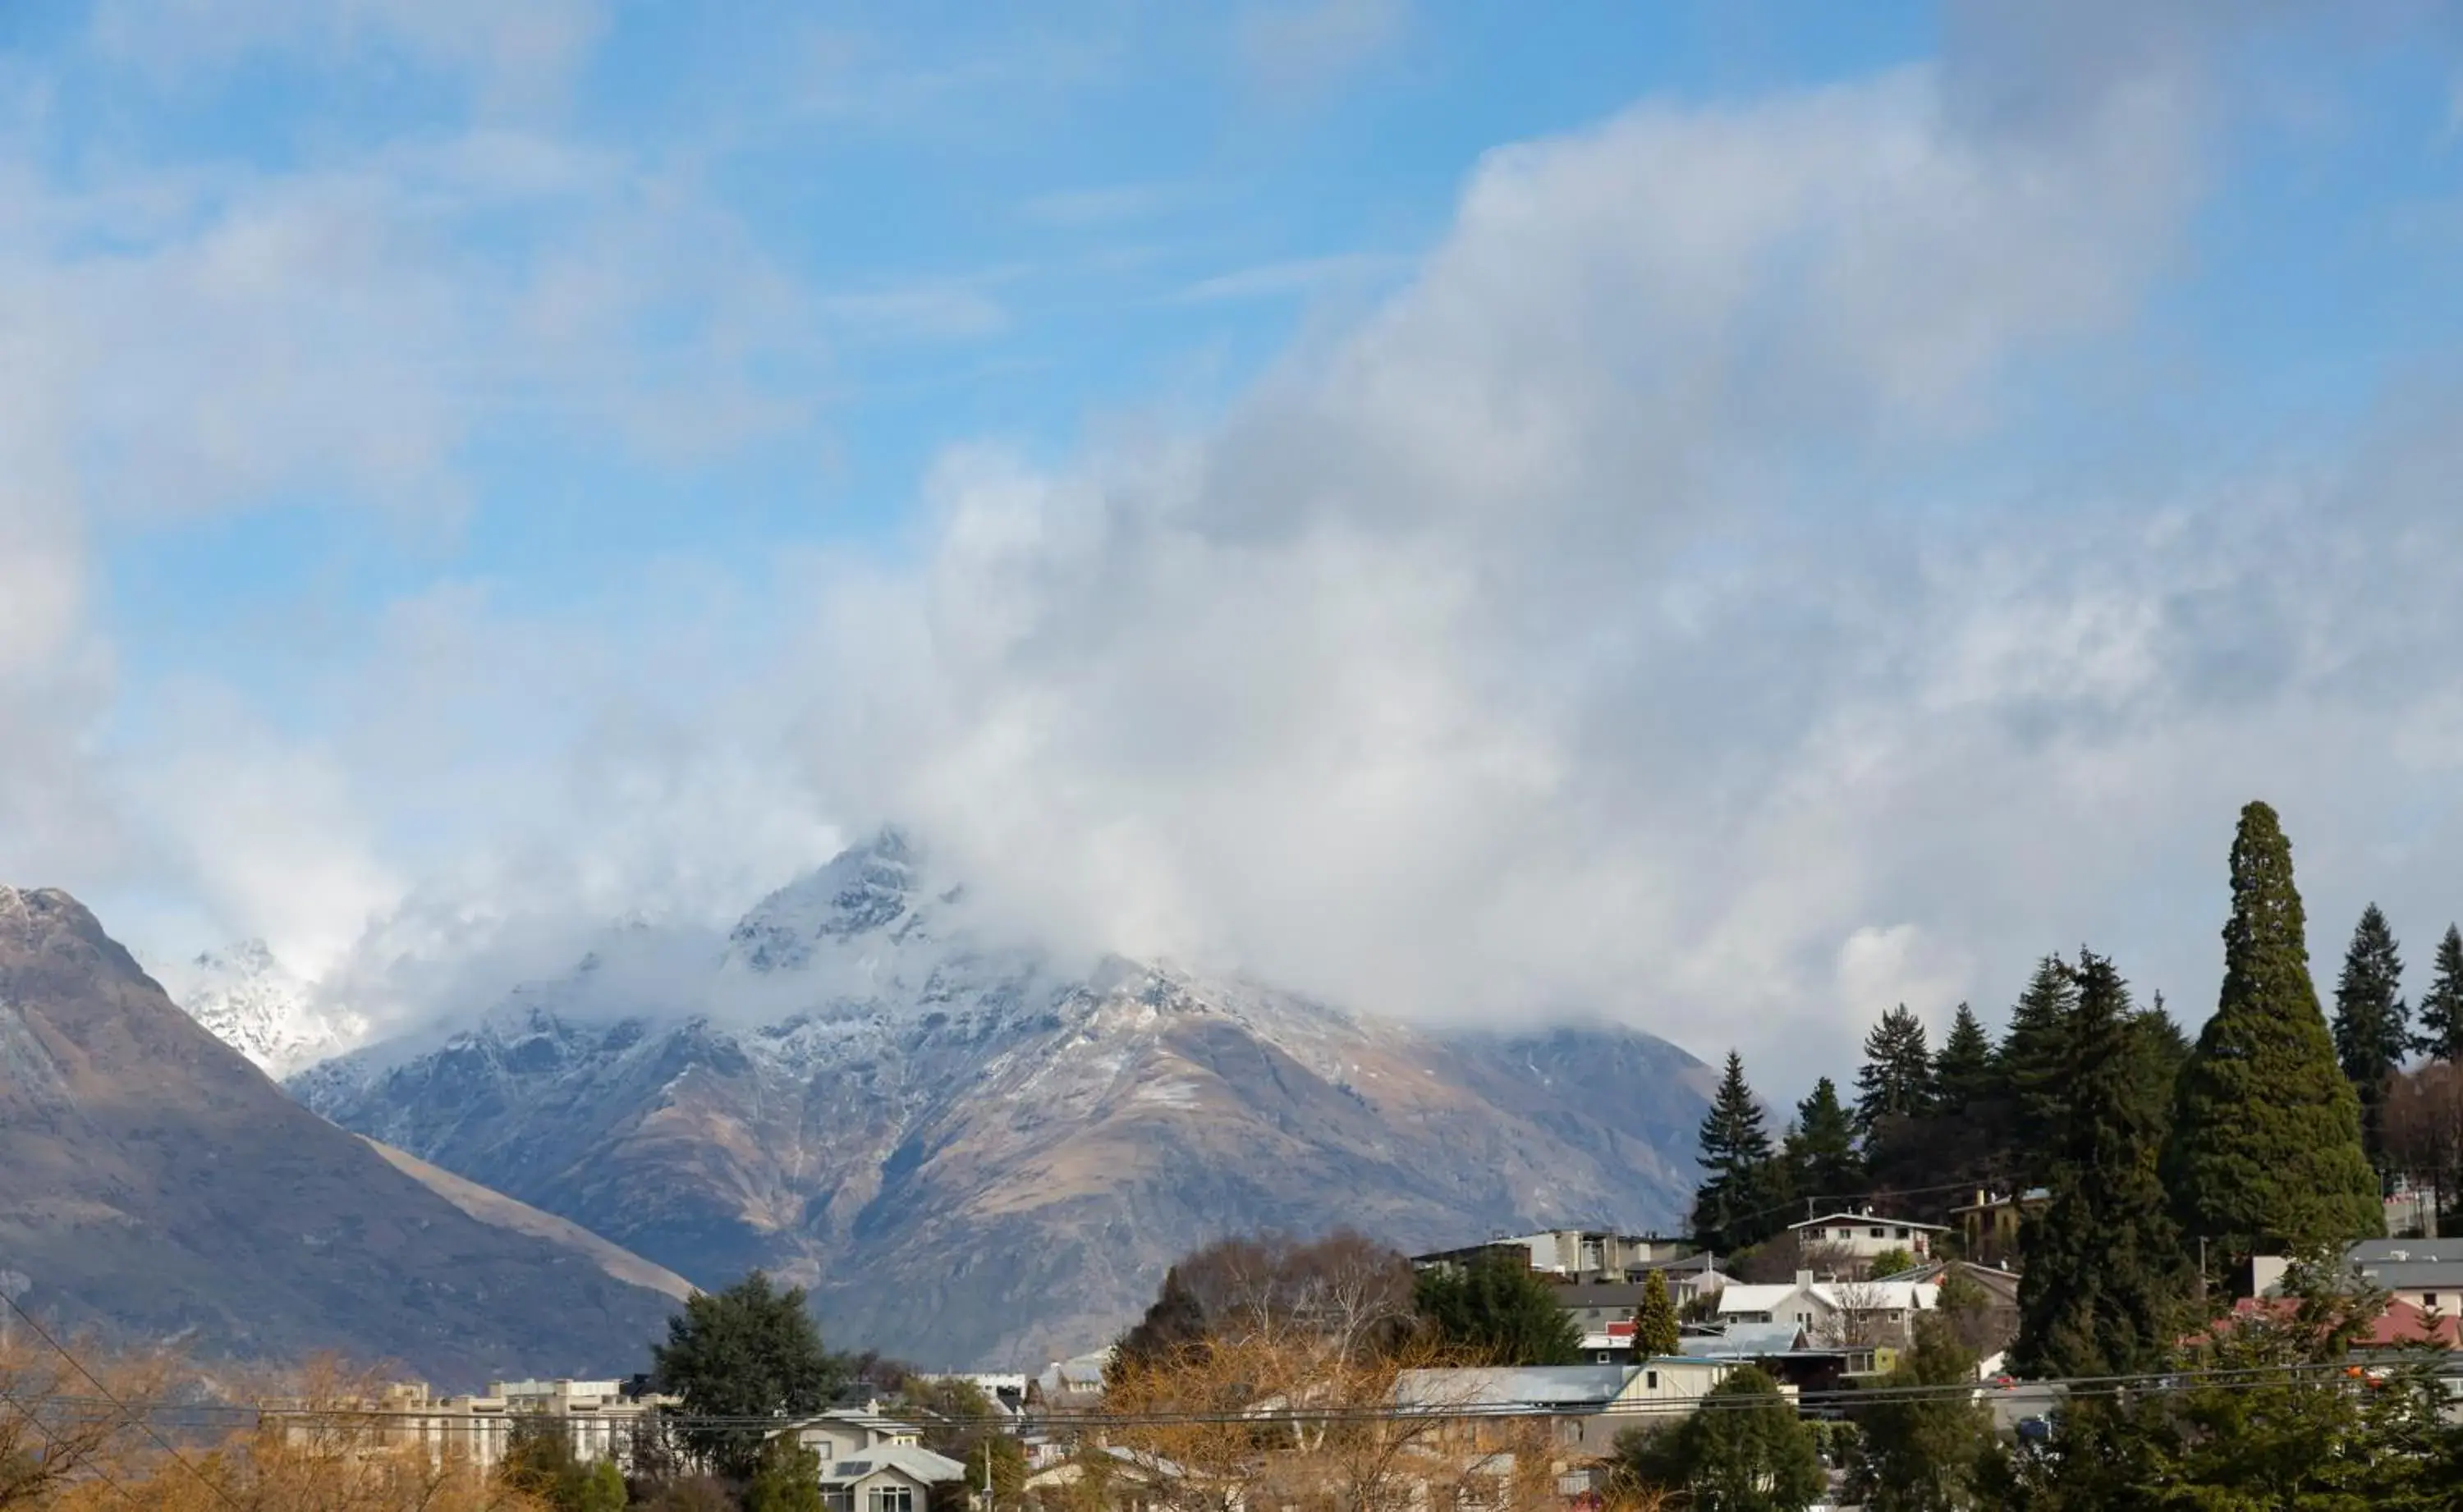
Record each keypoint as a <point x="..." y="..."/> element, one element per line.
<point x="1732" y="1208"/>
<point x="1822" y="1158"/>
<point x="2104" y="1277"/>
<point x="2371" y="1023"/>
<point x="2441" y="1006"/>
<point x="1963" y="1073"/>
<point x="1896" y="1078"/>
<point x="2031" y="1059"/>
<point x="1656" y="1331"/>
<point x="2266" y="1137"/>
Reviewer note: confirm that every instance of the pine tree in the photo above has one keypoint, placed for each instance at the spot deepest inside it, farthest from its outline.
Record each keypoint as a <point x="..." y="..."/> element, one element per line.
<point x="1896" y="1078"/>
<point x="1656" y="1331"/>
<point x="2266" y="1139"/>
<point x="2371" y="1023"/>
<point x="2441" y="1006"/>
<point x="1963" y="1073"/>
<point x="1821" y="1159"/>
<point x="2101" y="1288"/>
<point x="2031" y="1059"/>
<point x="1733" y="1207"/>
<point x="1497" y="1310"/>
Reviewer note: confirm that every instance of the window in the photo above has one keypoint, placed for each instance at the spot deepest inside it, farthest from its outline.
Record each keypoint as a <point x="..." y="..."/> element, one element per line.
<point x="893" y="1498"/>
<point x="838" y="1499"/>
<point x="1877" y="1231"/>
<point x="1651" y="1380"/>
<point x="2429" y="1298"/>
<point x="1903" y="1231"/>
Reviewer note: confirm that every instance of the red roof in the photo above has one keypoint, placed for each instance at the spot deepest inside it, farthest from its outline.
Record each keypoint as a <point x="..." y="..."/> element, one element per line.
<point x="2402" y="1322"/>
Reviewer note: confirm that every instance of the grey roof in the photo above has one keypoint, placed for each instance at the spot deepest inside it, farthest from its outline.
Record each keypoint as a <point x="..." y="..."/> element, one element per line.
<point x="2374" y="1251"/>
<point x="1745" y="1341"/>
<point x="2413" y="1275"/>
<point x="1528" y="1386"/>
<point x="919" y="1464"/>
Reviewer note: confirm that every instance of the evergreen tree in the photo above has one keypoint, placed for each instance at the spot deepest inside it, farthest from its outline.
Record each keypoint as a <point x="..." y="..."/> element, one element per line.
<point x="2102" y="1280"/>
<point x="1924" y="1445"/>
<point x="749" y="1351"/>
<point x="1896" y="1078"/>
<point x="2371" y="1023"/>
<point x="1821" y="1159"/>
<point x="2441" y="1006"/>
<point x="1174" y="1321"/>
<point x="1655" y="1329"/>
<point x="2031" y="1060"/>
<point x="1744" y="1450"/>
<point x="1964" y="1073"/>
<point x="1734" y="1205"/>
<point x="787" y="1478"/>
<point x="2266" y="1139"/>
<point x="1497" y="1310"/>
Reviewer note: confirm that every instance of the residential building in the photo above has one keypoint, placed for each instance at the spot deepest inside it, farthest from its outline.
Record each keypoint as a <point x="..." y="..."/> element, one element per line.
<point x="1585" y="1406"/>
<point x="1791" y="1356"/>
<point x="1603" y="1310"/>
<point x="597" y="1416"/>
<point x="1573" y="1254"/>
<point x="1863" y="1234"/>
<point x="1990" y="1225"/>
<point x="871" y="1463"/>
<point x="1834" y="1312"/>
<point x="2427" y="1273"/>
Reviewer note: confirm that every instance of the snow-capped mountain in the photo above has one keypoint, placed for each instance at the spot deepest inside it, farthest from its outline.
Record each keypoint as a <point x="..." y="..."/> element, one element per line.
<point x="974" y="1154"/>
<point x="248" y="999"/>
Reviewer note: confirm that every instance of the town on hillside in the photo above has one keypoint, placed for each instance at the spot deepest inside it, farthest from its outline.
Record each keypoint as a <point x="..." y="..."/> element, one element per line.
<point x="2030" y="1273"/>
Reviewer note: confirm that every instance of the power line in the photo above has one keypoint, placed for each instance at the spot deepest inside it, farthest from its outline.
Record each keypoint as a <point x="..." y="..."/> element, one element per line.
<point x="77" y="1365"/>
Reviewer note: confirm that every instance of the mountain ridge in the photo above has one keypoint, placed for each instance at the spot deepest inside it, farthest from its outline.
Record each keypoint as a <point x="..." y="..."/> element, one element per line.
<point x="972" y="1154"/>
<point x="155" y="1183"/>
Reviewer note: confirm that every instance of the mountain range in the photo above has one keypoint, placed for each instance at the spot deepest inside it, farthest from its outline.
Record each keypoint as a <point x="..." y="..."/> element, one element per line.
<point x="977" y="1154"/>
<point x="156" y="1184"/>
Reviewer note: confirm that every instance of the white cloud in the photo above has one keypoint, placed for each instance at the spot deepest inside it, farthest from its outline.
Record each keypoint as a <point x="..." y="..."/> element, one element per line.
<point x="1537" y="647"/>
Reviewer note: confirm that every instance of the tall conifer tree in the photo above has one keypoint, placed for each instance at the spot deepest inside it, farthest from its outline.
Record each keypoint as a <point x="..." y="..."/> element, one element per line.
<point x="2372" y="1026"/>
<point x="2103" y="1278"/>
<point x="1896" y="1078"/>
<point x="2030" y="1061"/>
<point x="2441" y="1006"/>
<point x="2266" y="1139"/>
<point x="1963" y="1073"/>
<point x="1733" y="1207"/>
<point x="1821" y="1159"/>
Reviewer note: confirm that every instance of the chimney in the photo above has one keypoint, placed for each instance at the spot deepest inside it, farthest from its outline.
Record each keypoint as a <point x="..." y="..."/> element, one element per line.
<point x="1804" y="1278"/>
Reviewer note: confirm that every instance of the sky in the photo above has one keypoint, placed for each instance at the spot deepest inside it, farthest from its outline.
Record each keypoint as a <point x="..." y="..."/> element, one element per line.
<point x="1721" y="517"/>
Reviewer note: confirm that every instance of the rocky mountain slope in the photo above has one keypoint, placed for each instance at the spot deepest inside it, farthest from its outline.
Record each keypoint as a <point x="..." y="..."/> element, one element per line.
<point x="974" y="1156"/>
<point x="155" y="1183"/>
<point x="252" y="1003"/>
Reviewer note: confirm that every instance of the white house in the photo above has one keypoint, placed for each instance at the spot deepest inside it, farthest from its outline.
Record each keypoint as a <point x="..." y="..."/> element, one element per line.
<point x="1864" y="1234"/>
<point x="1835" y="1311"/>
<point x="1586" y="1405"/>
<point x="870" y="1464"/>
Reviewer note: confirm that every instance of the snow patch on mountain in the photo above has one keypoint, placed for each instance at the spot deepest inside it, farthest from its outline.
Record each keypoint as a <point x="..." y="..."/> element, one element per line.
<point x="247" y="998"/>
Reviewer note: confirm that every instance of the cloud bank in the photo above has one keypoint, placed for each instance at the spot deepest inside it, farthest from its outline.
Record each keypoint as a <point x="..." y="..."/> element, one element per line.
<point x="1728" y="586"/>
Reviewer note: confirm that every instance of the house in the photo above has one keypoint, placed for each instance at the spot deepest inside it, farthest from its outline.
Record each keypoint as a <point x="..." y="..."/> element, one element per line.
<point x="1571" y="1254"/>
<point x="598" y="1417"/>
<point x="1863" y="1234"/>
<point x="1071" y="1384"/>
<point x="2427" y="1273"/>
<point x="1131" y="1480"/>
<point x="1990" y="1225"/>
<point x="1834" y="1312"/>
<point x="870" y="1464"/>
<point x="1585" y="1406"/>
<point x="1791" y="1356"/>
<point x="1604" y="1311"/>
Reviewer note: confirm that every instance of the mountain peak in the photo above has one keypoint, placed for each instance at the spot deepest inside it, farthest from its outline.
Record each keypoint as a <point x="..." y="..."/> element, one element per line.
<point x="872" y="889"/>
<point x="246" y="997"/>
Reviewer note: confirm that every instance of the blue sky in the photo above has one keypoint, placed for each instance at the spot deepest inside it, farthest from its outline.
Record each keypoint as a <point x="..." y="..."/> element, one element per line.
<point x="1710" y="514"/>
